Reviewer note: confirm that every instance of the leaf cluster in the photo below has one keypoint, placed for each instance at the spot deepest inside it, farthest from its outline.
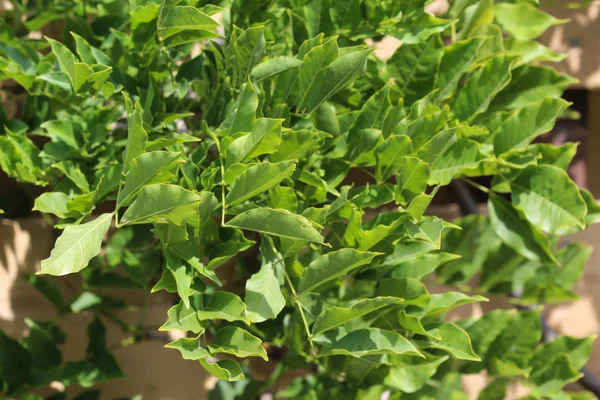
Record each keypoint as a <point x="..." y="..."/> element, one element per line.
<point x="260" y="163"/>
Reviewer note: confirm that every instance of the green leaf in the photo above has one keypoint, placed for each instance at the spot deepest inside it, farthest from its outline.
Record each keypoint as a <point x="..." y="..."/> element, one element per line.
<point x="162" y="203"/>
<point x="52" y="203"/>
<point x="390" y="155"/>
<point x="419" y="28"/>
<point x="222" y="305"/>
<point x="184" y="318"/>
<point x="549" y="199"/>
<point x="248" y="49"/>
<point x="147" y="169"/>
<point x="455" y="341"/>
<point x="461" y="156"/>
<point x="478" y="92"/>
<point x="409" y="376"/>
<point x="263" y="293"/>
<point x="136" y="138"/>
<point x="74" y="174"/>
<point x="518" y="128"/>
<point x="531" y="51"/>
<point x="238" y="342"/>
<point x="457" y="59"/>
<point x="544" y="362"/>
<point x="264" y="138"/>
<point x="181" y="18"/>
<point x="496" y="390"/>
<point x="228" y="370"/>
<point x="431" y="150"/>
<point x="233" y="243"/>
<point x="283" y="197"/>
<point x="371" y="341"/>
<point x="514" y="230"/>
<point x="336" y="76"/>
<point x="414" y="67"/>
<point x="274" y="66"/>
<point x="335" y="316"/>
<point x="593" y="215"/>
<point x="310" y="70"/>
<point x="189" y="348"/>
<point x="444" y="302"/>
<point x="421" y="266"/>
<point x="77" y="245"/>
<point x="296" y="145"/>
<point x="514" y="346"/>
<point x="242" y="115"/>
<point x="477" y="15"/>
<point x="182" y="275"/>
<point x="412" y="179"/>
<point x="332" y="265"/>
<point x="524" y="20"/>
<point x="280" y="223"/>
<point x="257" y="180"/>
<point x="529" y="84"/>
<point x="77" y="72"/>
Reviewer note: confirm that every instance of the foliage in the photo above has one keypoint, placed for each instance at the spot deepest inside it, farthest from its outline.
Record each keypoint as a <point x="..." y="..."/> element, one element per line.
<point x="226" y="144"/>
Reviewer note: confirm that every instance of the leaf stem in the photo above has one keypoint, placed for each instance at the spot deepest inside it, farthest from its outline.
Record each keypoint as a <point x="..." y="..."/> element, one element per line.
<point x="295" y="294"/>
<point x="223" y="204"/>
<point x="477" y="185"/>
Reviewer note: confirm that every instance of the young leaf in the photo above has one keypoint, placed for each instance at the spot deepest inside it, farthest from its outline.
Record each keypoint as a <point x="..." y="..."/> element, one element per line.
<point x="332" y="265"/>
<point x="77" y="245"/>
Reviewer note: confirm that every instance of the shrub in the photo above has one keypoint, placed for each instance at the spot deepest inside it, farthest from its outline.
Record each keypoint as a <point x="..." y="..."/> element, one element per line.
<point x="274" y="174"/>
